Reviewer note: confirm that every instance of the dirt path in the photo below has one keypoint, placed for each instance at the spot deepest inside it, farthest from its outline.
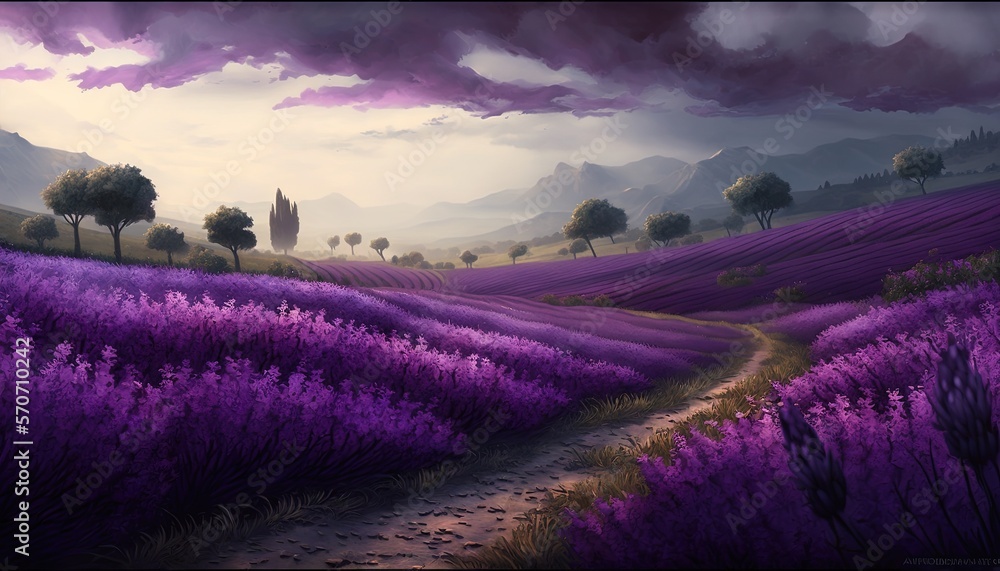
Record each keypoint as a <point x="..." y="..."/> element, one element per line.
<point x="462" y="515"/>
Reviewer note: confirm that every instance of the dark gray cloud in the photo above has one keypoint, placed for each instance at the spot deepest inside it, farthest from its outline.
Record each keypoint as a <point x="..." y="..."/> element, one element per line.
<point x="739" y="60"/>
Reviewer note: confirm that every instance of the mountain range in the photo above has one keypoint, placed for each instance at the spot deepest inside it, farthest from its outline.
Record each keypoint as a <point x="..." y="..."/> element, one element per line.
<point x="647" y="186"/>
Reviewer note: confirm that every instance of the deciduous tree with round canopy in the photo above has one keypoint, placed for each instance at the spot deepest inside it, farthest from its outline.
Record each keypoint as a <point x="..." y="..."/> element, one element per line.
<point x="578" y="246"/>
<point x="166" y="238"/>
<point x="760" y="195"/>
<point x="229" y="227"/>
<point x="379" y="245"/>
<point x="66" y="196"/>
<point x="39" y="228"/>
<point x="352" y="239"/>
<point x="120" y="196"/>
<point x="918" y="164"/>
<point x="516" y="251"/>
<point x="663" y="227"/>
<point x="333" y="243"/>
<point x="733" y="223"/>
<point x="593" y="218"/>
<point x="468" y="258"/>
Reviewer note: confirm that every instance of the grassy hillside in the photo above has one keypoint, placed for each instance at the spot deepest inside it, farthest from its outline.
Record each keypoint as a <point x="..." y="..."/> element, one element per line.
<point x="134" y="247"/>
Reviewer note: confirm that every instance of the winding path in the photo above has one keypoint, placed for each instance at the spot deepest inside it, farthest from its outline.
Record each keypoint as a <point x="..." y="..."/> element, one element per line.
<point x="460" y="516"/>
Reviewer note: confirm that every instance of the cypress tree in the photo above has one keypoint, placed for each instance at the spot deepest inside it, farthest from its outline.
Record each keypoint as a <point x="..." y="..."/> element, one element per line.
<point x="284" y="223"/>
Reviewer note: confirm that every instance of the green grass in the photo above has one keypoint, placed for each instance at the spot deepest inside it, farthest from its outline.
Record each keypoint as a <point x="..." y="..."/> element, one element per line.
<point x="99" y="244"/>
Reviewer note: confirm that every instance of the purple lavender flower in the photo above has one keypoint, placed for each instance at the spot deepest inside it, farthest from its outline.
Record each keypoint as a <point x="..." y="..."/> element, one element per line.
<point x="818" y="474"/>
<point x="964" y="408"/>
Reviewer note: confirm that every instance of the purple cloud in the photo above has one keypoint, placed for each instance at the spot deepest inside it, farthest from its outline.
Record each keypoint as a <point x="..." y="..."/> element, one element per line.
<point x="21" y="73"/>
<point x="409" y="55"/>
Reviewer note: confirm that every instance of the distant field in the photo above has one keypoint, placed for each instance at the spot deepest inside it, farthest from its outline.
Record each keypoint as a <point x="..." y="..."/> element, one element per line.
<point x="818" y="253"/>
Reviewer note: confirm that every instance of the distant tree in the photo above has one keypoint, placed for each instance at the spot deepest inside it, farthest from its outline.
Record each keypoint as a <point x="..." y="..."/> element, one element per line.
<point x="39" y="228"/>
<point x="577" y="246"/>
<point x="284" y="223"/>
<point x="120" y="196"/>
<point x="483" y="250"/>
<point x="202" y="259"/>
<point x="166" y="238"/>
<point x="230" y="228"/>
<point x="394" y="260"/>
<point x="917" y="164"/>
<point x="692" y="239"/>
<point x="733" y="223"/>
<point x="352" y="239"/>
<point x="468" y="258"/>
<point x="425" y="265"/>
<point x="67" y="197"/>
<point x="564" y="252"/>
<point x="593" y="218"/>
<point x="444" y="266"/>
<point x="759" y="194"/>
<point x="379" y="245"/>
<point x="516" y="251"/>
<point x="663" y="227"/>
<point x="826" y="184"/>
<point x="643" y="244"/>
<point x="333" y="243"/>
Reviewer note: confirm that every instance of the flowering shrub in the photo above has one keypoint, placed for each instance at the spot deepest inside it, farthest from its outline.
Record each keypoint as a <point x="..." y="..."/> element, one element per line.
<point x="926" y="276"/>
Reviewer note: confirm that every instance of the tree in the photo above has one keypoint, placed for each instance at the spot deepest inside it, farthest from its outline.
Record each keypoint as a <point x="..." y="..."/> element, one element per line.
<point x="593" y="218"/>
<point x="917" y="164"/>
<point x="577" y="246"/>
<point x="39" y="228"/>
<point x="468" y="258"/>
<point x="379" y="245"/>
<point x="394" y="260"/>
<point x="67" y="197"/>
<point x="733" y="223"/>
<point x="230" y="228"/>
<point x="202" y="259"/>
<point x="565" y="252"/>
<point x="166" y="238"/>
<point x="333" y="243"/>
<point x="663" y="227"/>
<point x="352" y="239"/>
<point x="120" y="196"/>
<point x="284" y="221"/>
<point x="516" y="251"/>
<point x="759" y="194"/>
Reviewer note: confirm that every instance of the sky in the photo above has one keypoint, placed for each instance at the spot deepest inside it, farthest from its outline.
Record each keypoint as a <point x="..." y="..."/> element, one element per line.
<point x="418" y="103"/>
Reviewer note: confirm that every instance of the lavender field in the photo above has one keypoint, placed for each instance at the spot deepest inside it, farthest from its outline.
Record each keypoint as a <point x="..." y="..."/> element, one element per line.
<point x="163" y="388"/>
<point x="541" y="285"/>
